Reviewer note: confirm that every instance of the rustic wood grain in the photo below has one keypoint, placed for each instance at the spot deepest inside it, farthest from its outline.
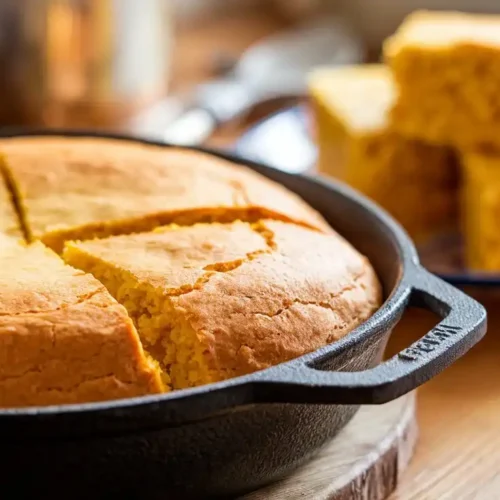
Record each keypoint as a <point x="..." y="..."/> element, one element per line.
<point x="364" y="462"/>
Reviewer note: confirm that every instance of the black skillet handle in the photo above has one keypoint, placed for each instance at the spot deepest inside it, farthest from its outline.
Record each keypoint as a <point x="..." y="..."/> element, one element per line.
<point x="462" y="326"/>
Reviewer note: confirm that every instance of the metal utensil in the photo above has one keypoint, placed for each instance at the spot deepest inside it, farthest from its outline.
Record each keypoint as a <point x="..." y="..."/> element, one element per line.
<point x="276" y="67"/>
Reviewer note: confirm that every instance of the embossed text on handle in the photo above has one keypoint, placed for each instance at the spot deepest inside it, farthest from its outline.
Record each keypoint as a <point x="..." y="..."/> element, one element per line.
<point x="429" y="343"/>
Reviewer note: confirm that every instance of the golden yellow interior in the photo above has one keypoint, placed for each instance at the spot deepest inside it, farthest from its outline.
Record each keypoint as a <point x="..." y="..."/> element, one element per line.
<point x="481" y="211"/>
<point x="166" y="335"/>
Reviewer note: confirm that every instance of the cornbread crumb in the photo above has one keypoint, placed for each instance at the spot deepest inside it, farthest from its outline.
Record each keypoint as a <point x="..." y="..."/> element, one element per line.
<point x="81" y="188"/>
<point x="481" y="210"/>
<point x="214" y="301"/>
<point x="447" y="69"/>
<point x="357" y="145"/>
<point x="63" y="338"/>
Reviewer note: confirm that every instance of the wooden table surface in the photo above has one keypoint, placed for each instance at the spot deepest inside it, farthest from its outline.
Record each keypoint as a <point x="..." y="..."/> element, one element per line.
<point x="458" y="454"/>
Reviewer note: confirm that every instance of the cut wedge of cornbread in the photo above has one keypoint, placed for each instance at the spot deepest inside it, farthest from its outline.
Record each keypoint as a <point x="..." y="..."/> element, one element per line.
<point x="357" y="145"/>
<point x="213" y="301"/>
<point x="81" y="188"/>
<point x="481" y="210"/>
<point x="63" y="338"/>
<point x="447" y="69"/>
<point x="9" y="221"/>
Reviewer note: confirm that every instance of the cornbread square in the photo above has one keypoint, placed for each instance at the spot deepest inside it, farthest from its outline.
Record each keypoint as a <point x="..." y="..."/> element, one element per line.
<point x="357" y="145"/>
<point x="213" y="301"/>
<point x="481" y="210"/>
<point x="63" y="338"/>
<point x="80" y="188"/>
<point x="447" y="70"/>
<point x="9" y="222"/>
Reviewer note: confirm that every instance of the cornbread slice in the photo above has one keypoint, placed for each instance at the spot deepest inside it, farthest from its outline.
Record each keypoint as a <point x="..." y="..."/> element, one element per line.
<point x="9" y="222"/>
<point x="447" y="70"/>
<point x="213" y="301"/>
<point x="63" y="338"/>
<point x="481" y="210"/>
<point x="80" y="188"/>
<point x="357" y="145"/>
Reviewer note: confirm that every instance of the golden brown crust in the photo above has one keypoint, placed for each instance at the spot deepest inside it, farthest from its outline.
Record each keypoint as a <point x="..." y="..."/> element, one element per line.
<point x="309" y="290"/>
<point x="360" y="96"/>
<point x="174" y="258"/>
<point x="437" y="30"/>
<point x="63" y="339"/>
<point x="257" y="294"/>
<point x="82" y="187"/>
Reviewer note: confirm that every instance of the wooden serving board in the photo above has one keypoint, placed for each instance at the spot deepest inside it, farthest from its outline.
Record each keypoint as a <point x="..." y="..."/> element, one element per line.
<point x="364" y="462"/>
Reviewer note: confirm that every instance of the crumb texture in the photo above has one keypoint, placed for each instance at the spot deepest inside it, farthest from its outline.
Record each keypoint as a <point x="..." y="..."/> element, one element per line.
<point x="481" y="209"/>
<point x="448" y="63"/>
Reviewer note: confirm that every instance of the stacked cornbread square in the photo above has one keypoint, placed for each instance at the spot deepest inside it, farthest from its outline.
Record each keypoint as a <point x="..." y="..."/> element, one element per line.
<point x="358" y="145"/>
<point x="444" y="69"/>
<point x="447" y="68"/>
<point x="147" y="269"/>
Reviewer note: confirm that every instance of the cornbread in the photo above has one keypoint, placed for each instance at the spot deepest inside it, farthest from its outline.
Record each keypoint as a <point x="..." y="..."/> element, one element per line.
<point x="181" y="269"/>
<point x="9" y="223"/>
<point x="80" y="188"/>
<point x="447" y="69"/>
<point x="214" y="301"/>
<point x="63" y="338"/>
<point x="481" y="210"/>
<point x="358" y="145"/>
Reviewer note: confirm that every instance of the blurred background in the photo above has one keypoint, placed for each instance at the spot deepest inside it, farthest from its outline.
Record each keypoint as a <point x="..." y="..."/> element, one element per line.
<point x="129" y="65"/>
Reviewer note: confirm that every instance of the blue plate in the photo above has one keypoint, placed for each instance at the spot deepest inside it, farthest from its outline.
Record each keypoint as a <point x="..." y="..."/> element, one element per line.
<point x="282" y="141"/>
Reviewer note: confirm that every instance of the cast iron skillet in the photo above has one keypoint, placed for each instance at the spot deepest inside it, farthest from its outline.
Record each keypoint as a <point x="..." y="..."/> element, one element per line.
<point x="236" y="435"/>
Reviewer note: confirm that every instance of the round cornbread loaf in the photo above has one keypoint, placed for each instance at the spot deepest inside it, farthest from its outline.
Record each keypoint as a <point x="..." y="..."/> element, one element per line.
<point x="194" y="270"/>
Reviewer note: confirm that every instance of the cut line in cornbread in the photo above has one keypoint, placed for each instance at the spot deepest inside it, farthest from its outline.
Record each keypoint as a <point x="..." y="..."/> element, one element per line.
<point x="447" y="69"/>
<point x="481" y="210"/>
<point x="63" y="338"/>
<point x="357" y="145"/>
<point x="10" y="223"/>
<point x="82" y="188"/>
<point x="213" y="301"/>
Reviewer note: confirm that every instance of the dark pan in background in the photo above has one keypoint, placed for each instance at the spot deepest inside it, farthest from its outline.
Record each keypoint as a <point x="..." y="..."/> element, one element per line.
<point x="234" y="436"/>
